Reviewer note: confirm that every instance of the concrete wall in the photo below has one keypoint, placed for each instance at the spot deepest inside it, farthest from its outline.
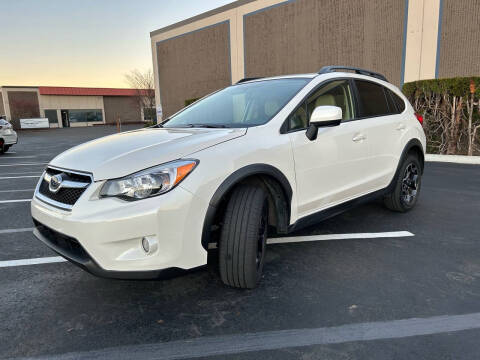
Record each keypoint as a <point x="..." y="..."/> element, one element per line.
<point x="407" y="40"/>
<point x="126" y="108"/>
<point x="193" y="65"/>
<point x="302" y="36"/>
<point x="459" y="50"/>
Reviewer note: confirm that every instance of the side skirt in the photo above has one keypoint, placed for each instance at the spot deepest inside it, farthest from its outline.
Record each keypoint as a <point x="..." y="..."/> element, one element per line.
<point x="312" y="219"/>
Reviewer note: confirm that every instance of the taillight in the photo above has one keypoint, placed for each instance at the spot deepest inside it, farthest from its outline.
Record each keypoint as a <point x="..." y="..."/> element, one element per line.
<point x="419" y="118"/>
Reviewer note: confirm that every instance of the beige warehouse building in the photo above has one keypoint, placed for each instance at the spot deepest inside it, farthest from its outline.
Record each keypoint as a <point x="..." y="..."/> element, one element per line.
<point x="70" y="106"/>
<point x="406" y="40"/>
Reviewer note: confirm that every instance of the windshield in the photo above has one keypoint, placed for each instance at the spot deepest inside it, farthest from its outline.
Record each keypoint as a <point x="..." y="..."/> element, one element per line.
<point x="242" y="105"/>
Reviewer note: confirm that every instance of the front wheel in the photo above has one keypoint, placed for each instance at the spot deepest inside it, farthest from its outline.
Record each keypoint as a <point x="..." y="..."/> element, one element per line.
<point x="5" y="148"/>
<point x="407" y="186"/>
<point x="243" y="237"/>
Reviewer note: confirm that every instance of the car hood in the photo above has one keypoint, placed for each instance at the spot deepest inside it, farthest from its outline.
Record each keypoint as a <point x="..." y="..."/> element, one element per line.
<point x="125" y="153"/>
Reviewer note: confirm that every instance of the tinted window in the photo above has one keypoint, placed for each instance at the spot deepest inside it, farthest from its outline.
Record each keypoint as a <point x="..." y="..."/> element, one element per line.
<point x="298" y="120"/>
<point x="373" y="101"/>
<point x="395" y="103"/>
<point x="52" y="116"/>
<point x="399" y="101"/>
<point x="243" y="105"/>
<point x="335" y="93"/>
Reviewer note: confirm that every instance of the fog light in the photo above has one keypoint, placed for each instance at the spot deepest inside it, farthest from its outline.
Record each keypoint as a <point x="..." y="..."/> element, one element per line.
<point x="146" y="245"/>
<point x="149" y="244"/>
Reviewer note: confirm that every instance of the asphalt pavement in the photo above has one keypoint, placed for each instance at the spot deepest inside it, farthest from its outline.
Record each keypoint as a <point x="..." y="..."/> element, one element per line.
<point x="400" y="297"/>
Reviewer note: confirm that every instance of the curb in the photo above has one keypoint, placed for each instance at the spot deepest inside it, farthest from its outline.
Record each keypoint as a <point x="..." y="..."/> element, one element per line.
<point x="458" y="159"/>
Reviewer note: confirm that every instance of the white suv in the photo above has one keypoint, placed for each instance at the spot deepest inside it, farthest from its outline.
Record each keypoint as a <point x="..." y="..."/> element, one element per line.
<point x="261" y="157"/>
<point x="8" y="136"/>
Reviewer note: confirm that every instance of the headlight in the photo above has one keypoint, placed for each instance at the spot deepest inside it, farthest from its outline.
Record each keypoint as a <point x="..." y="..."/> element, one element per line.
<point x="150" y="182"/>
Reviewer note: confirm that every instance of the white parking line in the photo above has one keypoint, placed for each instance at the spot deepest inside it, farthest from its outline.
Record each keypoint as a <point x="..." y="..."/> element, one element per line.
<point x="35" y="261"/>
<point x="17" y="157"/>
<point x="296" y="239"/>
<point x="25" y="164"/>
<point x="23" y="173"/>
<point x="223" y="345"/>
<point x="19" y="177"/>
<point x="213" y="246"/>
<point x="4" y="191"/>
<point x="9" y="231"/>
<point x="14" y="201"/>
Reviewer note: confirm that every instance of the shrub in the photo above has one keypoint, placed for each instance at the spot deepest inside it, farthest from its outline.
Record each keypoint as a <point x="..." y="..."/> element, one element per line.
<point x="451" y="112"/>
<point x="190" y="101"/>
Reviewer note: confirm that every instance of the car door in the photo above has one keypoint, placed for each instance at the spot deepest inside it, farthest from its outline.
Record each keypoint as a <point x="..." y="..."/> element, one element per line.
<point x="330" y="169"/>
<point x="385" y="126"/>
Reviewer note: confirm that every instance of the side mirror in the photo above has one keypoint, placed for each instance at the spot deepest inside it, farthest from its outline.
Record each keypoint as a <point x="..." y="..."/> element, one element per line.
<point x="323" y="116"/>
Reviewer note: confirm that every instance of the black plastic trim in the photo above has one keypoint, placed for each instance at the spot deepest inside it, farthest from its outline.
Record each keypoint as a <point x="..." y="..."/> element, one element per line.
<point x="87" y="263"/>
<point x="247" y="79"/>
<point x="334" y="68"/>
<point x="234" y="179"/>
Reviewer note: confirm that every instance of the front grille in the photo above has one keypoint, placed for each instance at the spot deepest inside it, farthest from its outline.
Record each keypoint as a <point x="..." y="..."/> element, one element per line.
<point x="70" y="246"/>
<point x="65" y="195"/>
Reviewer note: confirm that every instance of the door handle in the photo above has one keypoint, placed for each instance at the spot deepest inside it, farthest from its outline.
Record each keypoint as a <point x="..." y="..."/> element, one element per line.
<point x="359" y="137"/>
<point x="401" y="127"/>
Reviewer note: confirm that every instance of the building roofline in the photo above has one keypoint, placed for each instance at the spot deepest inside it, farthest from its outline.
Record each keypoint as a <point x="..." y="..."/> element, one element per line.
<point x="18" y="87"/>
<point x="201" y="16"/>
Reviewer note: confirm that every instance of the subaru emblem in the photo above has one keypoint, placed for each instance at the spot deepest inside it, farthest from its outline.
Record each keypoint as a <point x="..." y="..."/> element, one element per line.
<point x="55" y="183"/>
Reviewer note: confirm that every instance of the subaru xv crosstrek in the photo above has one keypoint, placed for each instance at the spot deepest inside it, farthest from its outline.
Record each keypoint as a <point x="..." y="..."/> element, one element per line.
<point x="260" y="158"/>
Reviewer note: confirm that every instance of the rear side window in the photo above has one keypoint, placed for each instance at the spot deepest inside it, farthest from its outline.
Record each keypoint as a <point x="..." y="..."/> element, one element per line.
<point x="372" y="98"/>
<point x="400" y="104"/>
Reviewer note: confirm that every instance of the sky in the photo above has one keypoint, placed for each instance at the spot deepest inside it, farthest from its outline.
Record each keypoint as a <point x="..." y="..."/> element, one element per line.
<point x="91" y="43"/>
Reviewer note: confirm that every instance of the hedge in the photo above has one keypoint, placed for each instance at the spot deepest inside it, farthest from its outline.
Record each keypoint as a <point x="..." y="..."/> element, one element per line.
<point x="451" y="112"/>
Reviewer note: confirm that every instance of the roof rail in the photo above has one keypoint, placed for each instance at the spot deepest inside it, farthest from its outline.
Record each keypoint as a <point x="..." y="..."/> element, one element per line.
<point x="247" y="79"/>
<point x="329" y="69"/>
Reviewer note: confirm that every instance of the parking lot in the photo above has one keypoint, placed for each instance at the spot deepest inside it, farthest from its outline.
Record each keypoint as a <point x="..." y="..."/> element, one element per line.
<point x="377" y="296"/>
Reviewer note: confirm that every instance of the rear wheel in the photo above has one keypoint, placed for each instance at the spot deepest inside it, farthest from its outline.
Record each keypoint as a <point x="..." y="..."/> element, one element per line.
<point x="407" y="187"/>
<point x="243" y="237"/>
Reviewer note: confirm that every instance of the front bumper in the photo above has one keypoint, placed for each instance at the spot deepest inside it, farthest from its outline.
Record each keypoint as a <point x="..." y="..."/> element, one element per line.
<point x="109" y="232"/>
<point x="71" y="250"/>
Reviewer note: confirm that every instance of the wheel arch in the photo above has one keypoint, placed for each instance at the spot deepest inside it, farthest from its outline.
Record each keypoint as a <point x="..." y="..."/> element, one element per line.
<point x="274" y="182"/>
<point x="413" y="146"/>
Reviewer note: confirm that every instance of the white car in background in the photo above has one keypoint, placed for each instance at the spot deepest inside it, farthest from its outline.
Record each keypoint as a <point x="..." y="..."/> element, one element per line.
<point x="259" y="158"/>
<point x="8" y="136"/>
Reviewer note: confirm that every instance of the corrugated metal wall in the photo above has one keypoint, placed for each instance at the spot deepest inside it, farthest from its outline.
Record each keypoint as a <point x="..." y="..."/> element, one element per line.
<point x="460" y="39"/>
<point x="23" y="104"/>
<point x="2" y="109"/>
<point x="193" y="65"/>
<point x="304" y="35"/>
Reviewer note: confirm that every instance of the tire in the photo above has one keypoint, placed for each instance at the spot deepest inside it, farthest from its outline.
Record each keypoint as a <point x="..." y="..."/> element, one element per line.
<point x="243" y="237"/>
<point x="2" y="147"/>
<point x="407" y="186"/>
<point x="5" y="148"/>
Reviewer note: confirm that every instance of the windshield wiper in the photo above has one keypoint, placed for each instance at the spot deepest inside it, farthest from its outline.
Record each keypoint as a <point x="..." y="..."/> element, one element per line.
<point x="205" y="126"/>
